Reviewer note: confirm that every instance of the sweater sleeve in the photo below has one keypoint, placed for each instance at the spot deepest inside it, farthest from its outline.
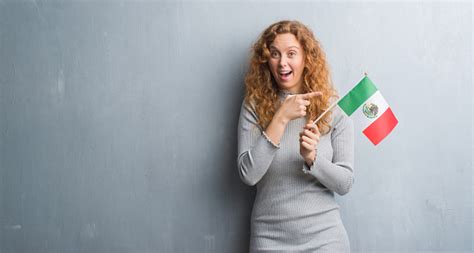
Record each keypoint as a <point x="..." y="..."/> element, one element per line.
<point x="337" y="175"/>
<point x="255" y="150"/>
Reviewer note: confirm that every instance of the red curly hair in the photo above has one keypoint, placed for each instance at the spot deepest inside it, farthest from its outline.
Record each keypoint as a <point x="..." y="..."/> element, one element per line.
<point x="261" y="88"/>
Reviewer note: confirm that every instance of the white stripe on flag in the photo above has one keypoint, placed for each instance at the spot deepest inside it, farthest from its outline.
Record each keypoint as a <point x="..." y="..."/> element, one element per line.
<point x="363" y="121"/>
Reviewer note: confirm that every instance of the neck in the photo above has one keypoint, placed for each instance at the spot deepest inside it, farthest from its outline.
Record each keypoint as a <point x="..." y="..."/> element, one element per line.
<point x="296" y="90"/>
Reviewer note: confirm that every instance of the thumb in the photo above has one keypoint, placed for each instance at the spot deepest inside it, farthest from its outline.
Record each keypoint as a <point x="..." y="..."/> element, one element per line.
<point x="289" y="96"/>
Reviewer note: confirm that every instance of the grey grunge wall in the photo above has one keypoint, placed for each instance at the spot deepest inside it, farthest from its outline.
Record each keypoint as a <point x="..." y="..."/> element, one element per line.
<point x="118" y="123"/>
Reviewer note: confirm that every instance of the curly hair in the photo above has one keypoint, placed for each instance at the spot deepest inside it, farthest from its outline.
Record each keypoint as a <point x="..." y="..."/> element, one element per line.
<point x="261" y="89"/>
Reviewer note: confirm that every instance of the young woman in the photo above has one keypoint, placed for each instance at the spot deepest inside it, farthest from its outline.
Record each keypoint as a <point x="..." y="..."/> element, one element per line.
<point x="296" y="165"/>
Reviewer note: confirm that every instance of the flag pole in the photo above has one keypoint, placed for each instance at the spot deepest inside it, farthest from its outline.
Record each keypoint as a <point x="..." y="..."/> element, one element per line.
<point x="330" y="108"/>
<point x="327" y="110"/>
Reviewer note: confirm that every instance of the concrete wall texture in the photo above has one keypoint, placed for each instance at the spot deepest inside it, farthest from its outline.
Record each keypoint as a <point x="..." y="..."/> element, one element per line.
<point x="118" y="123"/>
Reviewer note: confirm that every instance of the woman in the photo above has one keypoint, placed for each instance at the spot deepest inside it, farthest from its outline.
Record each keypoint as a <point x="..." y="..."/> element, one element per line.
<point x="297" y="165"/>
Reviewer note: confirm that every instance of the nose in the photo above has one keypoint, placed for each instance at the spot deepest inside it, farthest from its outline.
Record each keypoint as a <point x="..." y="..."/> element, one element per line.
<point x="283" y="61"/>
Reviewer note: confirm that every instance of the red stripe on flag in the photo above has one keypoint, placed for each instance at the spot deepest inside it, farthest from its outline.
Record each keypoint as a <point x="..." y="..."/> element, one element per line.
<point x="380" y="128"/>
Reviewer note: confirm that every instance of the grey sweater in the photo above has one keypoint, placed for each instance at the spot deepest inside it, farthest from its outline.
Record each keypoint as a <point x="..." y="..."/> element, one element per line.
<point x="294" y="208"/>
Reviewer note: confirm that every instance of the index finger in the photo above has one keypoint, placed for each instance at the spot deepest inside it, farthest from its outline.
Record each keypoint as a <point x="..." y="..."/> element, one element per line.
<point x="311" y="94"/>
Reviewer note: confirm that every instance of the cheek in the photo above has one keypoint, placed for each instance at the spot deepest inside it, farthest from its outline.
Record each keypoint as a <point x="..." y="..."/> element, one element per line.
<point x="297" y="65"/>
<point x="272" y="66"/>
<point x="301" y="65"/>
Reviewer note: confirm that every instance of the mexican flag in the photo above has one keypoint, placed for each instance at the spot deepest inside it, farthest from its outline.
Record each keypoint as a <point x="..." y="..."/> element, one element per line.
<point x="366" y="103"/>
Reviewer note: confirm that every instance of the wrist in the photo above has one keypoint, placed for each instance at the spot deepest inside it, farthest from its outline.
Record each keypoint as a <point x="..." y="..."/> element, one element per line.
<point x="311" y="160"/>
<point x="281" y="119"/>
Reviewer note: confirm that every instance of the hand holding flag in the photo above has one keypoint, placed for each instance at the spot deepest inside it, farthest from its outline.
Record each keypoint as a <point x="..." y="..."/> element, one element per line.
<point x="309" y="139"/>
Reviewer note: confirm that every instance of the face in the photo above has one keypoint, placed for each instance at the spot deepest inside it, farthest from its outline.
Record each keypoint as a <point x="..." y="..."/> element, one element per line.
<point x="287" y="62"/>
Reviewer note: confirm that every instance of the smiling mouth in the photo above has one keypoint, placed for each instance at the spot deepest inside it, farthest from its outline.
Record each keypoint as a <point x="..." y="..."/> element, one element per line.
<point x="286" y="74"/>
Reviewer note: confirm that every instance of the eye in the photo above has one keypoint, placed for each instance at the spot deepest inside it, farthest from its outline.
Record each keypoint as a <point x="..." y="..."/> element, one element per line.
<point x="274" y="54"/>
<point x="292" y="53"/>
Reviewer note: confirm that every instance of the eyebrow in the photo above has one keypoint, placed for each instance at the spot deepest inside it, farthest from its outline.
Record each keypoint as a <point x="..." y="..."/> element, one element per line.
<point x="286" y="48"/>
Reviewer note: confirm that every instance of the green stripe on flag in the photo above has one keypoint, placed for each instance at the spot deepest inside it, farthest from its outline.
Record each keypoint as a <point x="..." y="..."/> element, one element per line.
<point x="357" y="96"/>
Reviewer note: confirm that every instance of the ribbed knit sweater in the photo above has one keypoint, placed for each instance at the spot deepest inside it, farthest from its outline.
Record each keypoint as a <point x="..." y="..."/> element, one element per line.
<point x="294" y="208"/>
